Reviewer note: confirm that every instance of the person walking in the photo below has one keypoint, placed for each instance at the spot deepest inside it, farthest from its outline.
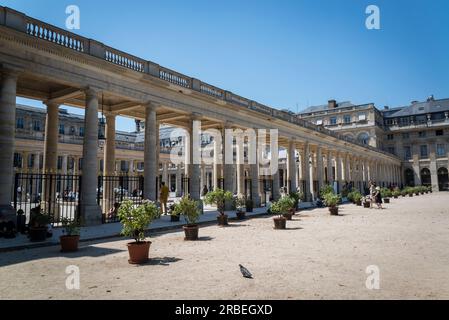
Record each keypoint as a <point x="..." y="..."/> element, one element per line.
<point x="163" y="197"/>
<point x="378" y="198"/>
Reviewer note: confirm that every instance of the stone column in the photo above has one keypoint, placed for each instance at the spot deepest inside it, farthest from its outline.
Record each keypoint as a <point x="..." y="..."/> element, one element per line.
<point x="8" y="89"/>
<point x="37" y="162"/>
<point x="433" y="168"/>
<point x="228" y="165"/>
<point x="240" y="146"/>
<point x="109" y="168"/>
<point x="194" y="157"/>
<point x="330" y="176"/>
<point x="165" y="177"/>
<point x="338" y="171"/>
<point x="51" y="138"/>
<point x="291" y="158"/>
<point x="64" y="171"/>
<point x="319" y="168"/>
<point x="150" y="150"/>
<point x="216" y="174"/>
<point x="178" y="180"/>
<point x="305" y="166"/>
<point x="254" y="169"/>
<point x="347" y="173"/>
<point x="90" y="211"/>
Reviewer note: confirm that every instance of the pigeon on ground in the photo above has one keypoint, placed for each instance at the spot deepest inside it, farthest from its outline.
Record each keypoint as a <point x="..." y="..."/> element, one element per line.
<point x="245" y="272"/>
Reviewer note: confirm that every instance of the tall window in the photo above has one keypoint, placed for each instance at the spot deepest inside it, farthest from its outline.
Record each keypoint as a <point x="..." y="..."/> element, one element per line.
<point x="441" y="150"/>
<point x="423" y="151"/>
<point x="61" y="129"/>
<point x="362" y="116"/>
<point x="439" y="132"/>
<point x="19" y="123"/>
<point x="59" y="162"/>
<point x="333" y="120"/>
<point x="81" y="131"/>
<point x="390" y="137"/>
<point x="407" y="153"/>
<point x="17" y="160"/>
<point x="347" y="118"/>
<point x="36" y="125"/>
<point x="363" y="138"/>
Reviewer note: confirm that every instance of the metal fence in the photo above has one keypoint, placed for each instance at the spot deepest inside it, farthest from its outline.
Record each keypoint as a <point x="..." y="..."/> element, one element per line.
<point x="58" y="195"/>
<point x="113" y="190"/>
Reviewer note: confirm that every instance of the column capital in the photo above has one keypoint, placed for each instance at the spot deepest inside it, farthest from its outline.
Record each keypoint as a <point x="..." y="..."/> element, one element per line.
<point x="92" y="92"/>
<point x="151" y="106"/>
<point x="195" y="116"/>
<point x="10" y="70"/>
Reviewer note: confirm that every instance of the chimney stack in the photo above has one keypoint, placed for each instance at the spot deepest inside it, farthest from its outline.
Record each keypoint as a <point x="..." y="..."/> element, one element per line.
<point x="386" y="108"/>
<point x="332" y="104"/>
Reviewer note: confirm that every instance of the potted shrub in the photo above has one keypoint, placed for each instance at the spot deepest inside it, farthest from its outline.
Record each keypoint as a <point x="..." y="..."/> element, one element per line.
<point x="350" y="196"/>
<point x="396" y="193"/>
<point x="38" y="225"/>
<point x="280" y="208"/>
<point x="403" y="193"/>
<point x="135" y="219"/>
<point x="296" y="197"/>
<point x="249" y="205"/>
<point x="240" y="207"/>
<point x="188" y="208"/>
<point x="288" y="203"/>
<point x="71" y="235"/>
<point x="357" y="198"/>
<point x="386" y="194"/>
<point x="174" y="217"/>
<point x="219" y="197"/>
<point x="331" y="201"/>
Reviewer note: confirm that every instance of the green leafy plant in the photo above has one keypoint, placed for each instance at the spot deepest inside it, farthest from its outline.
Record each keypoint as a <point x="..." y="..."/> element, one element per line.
<point x="282" y="206"/>
<point x="189" y="209"/>
<point x="296" y="197"/>
<point x="219" y="198"/>
<point x="396" y="193"/>
<point x="70" y="227"/>
<point x="326" y="189"/>
<point x="357" y="196"/>
<point x="136" y="219"/>
<point x="331" y="199"/>
<point x="39" y="219"/>
<point x="385" y="193"/>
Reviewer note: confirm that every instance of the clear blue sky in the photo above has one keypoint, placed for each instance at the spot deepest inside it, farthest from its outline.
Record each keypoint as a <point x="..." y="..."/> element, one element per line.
<point x="281" y="53"/>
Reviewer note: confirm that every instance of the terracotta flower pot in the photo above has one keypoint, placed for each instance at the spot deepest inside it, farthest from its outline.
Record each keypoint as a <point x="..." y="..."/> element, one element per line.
<point x="241" y="215"/>
<point x="367" y="205"/>
<point x="287" y="216"/>
<point x="333" y="211"/>
<point x="358" y="203"/>
<point x="395" y="197"/>
<point x="38" y="234"/>
<point x="69" y="243"/>
<point x="174" y="218"/>
<point x="138" y="252"/>
<point x="191" y="232"/>
<point x="386" y="200"/>
<point x="222" y="220"/>
<point x="280" y="223"/>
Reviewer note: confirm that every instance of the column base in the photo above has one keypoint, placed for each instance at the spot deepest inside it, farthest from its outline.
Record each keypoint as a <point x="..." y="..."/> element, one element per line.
<point x="91" y="215"/>
<point x="7" y="214"/>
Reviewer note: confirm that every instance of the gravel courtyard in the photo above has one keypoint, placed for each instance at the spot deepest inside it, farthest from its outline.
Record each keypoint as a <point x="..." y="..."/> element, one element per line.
<point x="318" y="257"/>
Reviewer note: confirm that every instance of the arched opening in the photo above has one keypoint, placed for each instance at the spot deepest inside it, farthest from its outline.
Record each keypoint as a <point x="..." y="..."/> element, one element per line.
<point x="425" y="177"/>
<point x="363" y="138"/>
<point x="443" y="179"/>
<point x="409" y="177"/>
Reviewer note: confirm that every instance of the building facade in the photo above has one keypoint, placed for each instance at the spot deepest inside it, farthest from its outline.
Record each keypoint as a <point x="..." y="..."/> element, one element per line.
<point x="418" y="134"/>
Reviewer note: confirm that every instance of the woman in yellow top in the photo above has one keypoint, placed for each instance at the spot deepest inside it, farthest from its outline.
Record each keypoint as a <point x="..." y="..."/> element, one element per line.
<point x="163" y="197"/>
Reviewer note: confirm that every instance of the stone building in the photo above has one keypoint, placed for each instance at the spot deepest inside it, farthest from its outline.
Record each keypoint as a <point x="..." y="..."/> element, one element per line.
<point x="418" y="134"/>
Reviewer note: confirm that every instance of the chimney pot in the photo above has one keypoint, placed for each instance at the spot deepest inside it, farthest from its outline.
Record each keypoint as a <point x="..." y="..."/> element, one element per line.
<point x="332" y="104"/>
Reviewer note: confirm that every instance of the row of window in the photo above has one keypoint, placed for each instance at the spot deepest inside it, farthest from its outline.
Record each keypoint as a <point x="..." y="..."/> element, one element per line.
<point x="423" y="151"/>
<point x="421" y="134"/>
<point x="419" y="119"/>
<point x="37" y="126"/>
<point x="347" y="119"/>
